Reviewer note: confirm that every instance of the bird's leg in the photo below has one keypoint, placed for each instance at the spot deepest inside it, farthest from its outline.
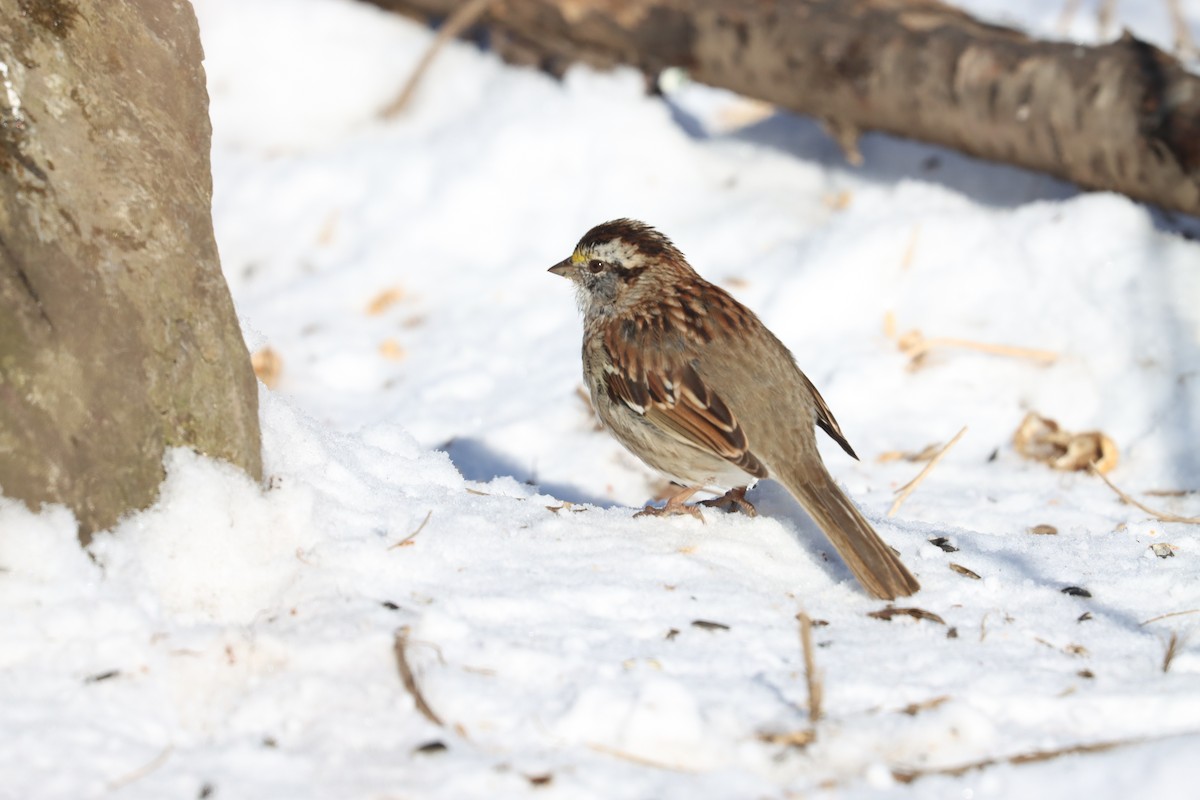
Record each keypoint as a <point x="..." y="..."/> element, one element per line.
<point x="733" y="500"/>
<point x="676" y="504"/>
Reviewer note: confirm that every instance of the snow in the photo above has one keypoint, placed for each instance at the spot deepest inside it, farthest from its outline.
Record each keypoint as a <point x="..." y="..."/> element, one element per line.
<point x="433" y="474"/>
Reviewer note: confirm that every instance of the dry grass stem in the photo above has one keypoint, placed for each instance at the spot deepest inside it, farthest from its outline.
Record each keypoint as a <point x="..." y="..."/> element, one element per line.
<point x="908" y="776"/>
<point x="407" y="540"/>
<point x="911" y="456"/>
<point x="1171" y="614"/>
<point x="907" y="489"/>
<point x="456" y="23"/>
<point x="1161" y="516"/>
<point x="1171" y="651"/>
<point x="142" y="771"/>
<point x="410" y="681"/>
<point x="636" y="759"/>
<point x="912" y="709"/>
<point x="916" y="346"/>
<point x="812" y="678"/>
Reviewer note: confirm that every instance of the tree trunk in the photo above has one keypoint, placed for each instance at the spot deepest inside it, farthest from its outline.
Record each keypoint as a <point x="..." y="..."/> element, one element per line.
<point x="118" y="336"/>
<point x="1123" y="116"/>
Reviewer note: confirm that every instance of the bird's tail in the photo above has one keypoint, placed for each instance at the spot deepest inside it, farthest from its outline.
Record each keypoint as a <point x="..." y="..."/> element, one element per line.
<point x="877" y="568"/>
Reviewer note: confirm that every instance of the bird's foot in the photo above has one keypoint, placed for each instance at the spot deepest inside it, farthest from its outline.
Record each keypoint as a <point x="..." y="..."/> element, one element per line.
<point x="675" y="505"/>
<point x="731" y="501"/>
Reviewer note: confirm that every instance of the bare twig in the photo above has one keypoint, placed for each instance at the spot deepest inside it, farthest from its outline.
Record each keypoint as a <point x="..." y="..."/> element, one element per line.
<point x="410" y="681"/>
<point x="811" y="677"/>
<point x="407" y="540"/>
<point x="1161" y="516"/>
<point x="908" y="488"/>
<point x="464" y="17"/>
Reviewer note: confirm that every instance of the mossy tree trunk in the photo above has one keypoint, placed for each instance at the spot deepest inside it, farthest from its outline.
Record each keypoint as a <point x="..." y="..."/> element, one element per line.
<point x="118" y="336"/>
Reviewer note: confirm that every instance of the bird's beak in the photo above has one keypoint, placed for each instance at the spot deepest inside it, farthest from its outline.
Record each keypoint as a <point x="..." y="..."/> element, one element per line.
<point x="564" y="268"/>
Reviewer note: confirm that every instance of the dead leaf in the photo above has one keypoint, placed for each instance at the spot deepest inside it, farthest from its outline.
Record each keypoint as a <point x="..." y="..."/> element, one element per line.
<point x="267" y="366"/>
<point x="916" y="613"/>
<point x="707" y="625"/>
<point x="838" y="201"/>
<point x="944" y="544"/>
<point x="328" y="229"/>
<point x="789" y="738"/>
<point x="392" y="350"/>
<point x="1041" y="439"/>
<point x="1043" y="530"/>
<point x="961" y="570"/>
<point x="384" y="300"/>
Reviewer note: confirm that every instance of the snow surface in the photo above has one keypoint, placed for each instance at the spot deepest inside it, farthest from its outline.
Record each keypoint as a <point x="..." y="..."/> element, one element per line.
<point x="235" y="641"/>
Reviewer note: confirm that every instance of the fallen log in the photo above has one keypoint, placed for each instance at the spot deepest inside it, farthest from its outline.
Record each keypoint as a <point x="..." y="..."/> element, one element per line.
<point x="1123" y="116"/>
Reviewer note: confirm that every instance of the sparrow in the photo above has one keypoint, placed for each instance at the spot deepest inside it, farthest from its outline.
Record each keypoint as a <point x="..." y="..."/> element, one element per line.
<point x="691" y="382"/>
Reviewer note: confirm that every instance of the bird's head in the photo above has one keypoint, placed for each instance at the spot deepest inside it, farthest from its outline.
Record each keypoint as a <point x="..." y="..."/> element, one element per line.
<point x="617" y="264"/>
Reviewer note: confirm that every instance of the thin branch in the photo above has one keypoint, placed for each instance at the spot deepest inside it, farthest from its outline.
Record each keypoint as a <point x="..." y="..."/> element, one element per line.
<point x="463" y="17"/>
<point x="908" y="488"/>
<point x="1161" y="516"/>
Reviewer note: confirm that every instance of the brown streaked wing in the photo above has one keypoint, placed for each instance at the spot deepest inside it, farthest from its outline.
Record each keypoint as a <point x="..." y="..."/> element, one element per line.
<point x="672" y="396"/>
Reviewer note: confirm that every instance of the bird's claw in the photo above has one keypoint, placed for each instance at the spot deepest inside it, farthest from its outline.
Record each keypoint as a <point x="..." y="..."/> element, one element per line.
<point x="731" y="501"/>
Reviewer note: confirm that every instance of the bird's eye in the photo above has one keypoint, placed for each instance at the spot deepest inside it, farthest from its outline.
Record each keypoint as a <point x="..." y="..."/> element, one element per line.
<point x="595" y="265"/>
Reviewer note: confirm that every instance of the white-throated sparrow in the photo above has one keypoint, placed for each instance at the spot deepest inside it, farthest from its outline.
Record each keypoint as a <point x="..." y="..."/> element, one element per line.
<point x="691" y="382"/>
